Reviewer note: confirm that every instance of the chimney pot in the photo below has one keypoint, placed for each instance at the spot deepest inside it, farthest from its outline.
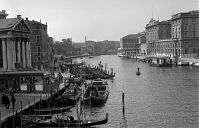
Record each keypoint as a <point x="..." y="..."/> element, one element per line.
<point x="26" y="18"/>
<point x="19" y="16"/>
<point x="4" y="11"/>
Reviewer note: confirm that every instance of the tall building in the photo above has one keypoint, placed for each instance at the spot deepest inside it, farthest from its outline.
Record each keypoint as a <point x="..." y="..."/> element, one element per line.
<point x="177" y="38"/>
<point x="41" y="44"/>
<point x="142" y="42"/>
<point x="185" y="34"/>
<point x="130" y="45"/>
<point x="15" y="44"/>
<point x="155" y="32"/>
<point x="15" y="52"/>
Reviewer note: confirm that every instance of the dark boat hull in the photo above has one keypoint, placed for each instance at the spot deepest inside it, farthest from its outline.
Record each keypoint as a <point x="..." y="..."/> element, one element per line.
<point x="95" y="101"/>
<point x="161" y="65"/>
<point x="66" y="123"/>
<point x="51" y="110"/>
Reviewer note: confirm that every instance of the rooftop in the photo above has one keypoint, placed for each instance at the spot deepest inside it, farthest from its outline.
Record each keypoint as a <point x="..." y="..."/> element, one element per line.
<point x="131" y="36"/>
<point x="153" y="22"/>
<point x="8" y="23"/>
<point x="189" y="14"/>
<point x="3" y="12"/>
<point x="34" y="22"/>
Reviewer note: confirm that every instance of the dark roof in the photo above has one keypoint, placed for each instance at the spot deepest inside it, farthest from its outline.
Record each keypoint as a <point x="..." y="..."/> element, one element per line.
<point x="9" y="23"/>
<point x="189" y="14"/>
<point x="131" y="36"/>
<point x="2" y="13"/>
<point x="34" y="22"/>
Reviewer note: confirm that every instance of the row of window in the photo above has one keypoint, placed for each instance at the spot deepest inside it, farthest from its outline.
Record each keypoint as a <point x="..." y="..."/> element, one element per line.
<point x="184" y="20"/>
<point x="171" y="50"/>
<point x="184" y="34"/>
<point x="40" y="28"/>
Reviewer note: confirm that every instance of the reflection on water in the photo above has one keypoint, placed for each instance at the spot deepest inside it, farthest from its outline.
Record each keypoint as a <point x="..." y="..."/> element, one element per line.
<point x="158" y="98"/>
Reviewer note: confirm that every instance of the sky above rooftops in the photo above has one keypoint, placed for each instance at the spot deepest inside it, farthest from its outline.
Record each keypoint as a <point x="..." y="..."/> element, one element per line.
<point x="95" y="19"/>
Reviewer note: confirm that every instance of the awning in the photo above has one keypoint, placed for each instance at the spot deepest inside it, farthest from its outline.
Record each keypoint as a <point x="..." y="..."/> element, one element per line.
<point x="21" y="73"/>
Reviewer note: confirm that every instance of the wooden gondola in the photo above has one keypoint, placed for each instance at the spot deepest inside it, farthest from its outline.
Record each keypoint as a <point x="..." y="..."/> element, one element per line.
<point x="69" y="97"/>
<point x="96" y="93"/>
<point x="57" y="123"/>
<point x="51" y="110"/>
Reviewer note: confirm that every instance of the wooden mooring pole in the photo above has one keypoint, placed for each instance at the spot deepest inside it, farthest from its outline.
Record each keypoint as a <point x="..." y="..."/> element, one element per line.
<point x="0" y="118"/>
<point x="123" y="103"/>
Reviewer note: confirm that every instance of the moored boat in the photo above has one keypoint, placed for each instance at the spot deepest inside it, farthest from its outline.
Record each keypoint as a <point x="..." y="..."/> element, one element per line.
<point x="69" y="97"/>
<point x="161" y="61"/>
<point x="196" y="64"/>
<point x="182" y="63"/>
<point x="96" y="93"/>
<point x="51" y="110"/>
<point x="68" y="122"/>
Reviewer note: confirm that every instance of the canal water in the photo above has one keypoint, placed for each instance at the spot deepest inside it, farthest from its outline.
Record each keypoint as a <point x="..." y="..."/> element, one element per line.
<point x="158" y="98"/>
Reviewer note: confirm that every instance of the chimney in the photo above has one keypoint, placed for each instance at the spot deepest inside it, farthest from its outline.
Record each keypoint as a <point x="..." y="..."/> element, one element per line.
<point x="3" y="11"/>
<point x="26" y="18"/>
<point x="19" y="16"/>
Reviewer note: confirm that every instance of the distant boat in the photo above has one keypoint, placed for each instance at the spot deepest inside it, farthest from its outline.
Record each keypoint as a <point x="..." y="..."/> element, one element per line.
<point x="120" y="55"/>
<point x="90" y="57"/>
<point x="138" y="72"/>
<point x="182" y="63"/>
<point x="96" y="93"/>
<point x="161" y="61"/>
<point x="196" y="64"/>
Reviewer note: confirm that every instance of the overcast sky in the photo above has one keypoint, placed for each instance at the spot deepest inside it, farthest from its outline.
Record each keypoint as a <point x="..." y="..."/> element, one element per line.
<point x="95" y="19"/>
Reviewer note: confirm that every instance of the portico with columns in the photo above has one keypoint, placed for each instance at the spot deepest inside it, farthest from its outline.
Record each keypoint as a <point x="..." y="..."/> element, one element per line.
<point x="15" y="55"/>
<point x="15" y="45"/>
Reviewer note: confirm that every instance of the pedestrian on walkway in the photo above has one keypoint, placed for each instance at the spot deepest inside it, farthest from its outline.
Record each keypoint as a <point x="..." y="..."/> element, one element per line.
<point x="7" y="102"/>
<point x="3" y="101"/>
<point x="13" y="100"/>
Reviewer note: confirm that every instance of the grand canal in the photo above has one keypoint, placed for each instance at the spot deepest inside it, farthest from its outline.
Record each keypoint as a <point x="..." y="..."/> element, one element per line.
<point x="158" y="98"/>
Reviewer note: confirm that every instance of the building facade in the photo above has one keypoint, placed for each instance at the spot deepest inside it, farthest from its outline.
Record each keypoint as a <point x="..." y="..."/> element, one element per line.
<point x="14" y="44"/>
<point x="15" y="54"/>
<point x="185" y="34"/>
<point x="156" y="31"/>
<point x="130" y="45"/>
<point x="176" y="38"/>
<point x="142" y="42"/>
<point x="41" y="45"/>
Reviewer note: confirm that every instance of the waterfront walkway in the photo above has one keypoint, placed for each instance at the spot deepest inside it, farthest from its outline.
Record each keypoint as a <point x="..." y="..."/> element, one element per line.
<point x="23" y="101"/>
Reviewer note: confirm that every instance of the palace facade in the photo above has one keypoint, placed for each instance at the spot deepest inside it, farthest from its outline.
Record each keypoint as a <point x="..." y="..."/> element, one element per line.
<point x="15" y="53"/>
<point x="176" y="38"/>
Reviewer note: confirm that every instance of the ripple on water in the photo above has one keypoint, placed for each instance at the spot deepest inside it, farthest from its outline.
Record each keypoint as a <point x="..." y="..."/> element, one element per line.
<point x="158" y="98"/>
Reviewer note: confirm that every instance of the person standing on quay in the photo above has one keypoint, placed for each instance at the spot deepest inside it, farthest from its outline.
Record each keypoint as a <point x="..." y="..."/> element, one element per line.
<point x="7" y="102"/>
<point x="13" y="100"/>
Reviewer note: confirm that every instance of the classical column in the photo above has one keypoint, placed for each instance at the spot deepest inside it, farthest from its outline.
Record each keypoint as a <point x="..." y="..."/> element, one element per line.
<point x="18" y="51"/>
<point x="23" y="54"/>
<point x="9" y="55"/>
<point x="27" y="53"/>
<point x="14" y="53"/>
<point x="30" y="62"/>
<point x="4" y="54"/>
